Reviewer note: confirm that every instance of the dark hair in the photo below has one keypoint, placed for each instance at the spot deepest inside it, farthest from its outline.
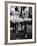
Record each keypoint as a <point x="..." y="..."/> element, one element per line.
<point x="16" y="8"/>
<point x="24" y="8"/>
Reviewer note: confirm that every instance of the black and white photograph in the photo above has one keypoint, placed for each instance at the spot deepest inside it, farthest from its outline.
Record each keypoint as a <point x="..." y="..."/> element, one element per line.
<point x="21" y="22"/>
